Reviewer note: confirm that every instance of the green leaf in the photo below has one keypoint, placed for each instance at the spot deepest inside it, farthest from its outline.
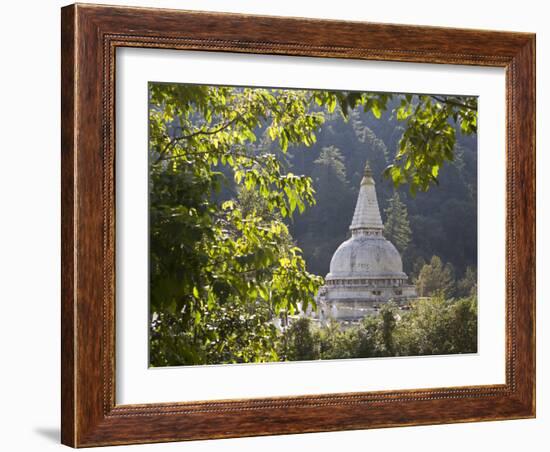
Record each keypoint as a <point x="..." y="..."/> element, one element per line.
<point x="376" y="110"/>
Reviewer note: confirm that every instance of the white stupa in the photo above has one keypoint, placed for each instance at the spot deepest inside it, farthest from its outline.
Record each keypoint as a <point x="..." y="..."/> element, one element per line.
<point x="366" y="270"/>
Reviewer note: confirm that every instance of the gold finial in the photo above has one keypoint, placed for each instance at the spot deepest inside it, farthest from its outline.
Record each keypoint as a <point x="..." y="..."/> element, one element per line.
<point x="368" y="171"/>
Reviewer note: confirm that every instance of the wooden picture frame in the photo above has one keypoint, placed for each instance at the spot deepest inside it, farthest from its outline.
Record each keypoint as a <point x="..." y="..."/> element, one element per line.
<point x="90" y="36"/>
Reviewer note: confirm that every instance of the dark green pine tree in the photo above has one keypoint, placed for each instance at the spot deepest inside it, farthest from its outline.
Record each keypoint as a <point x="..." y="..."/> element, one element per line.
<point x="397" y="228"/>
<point x="327" y="221"/>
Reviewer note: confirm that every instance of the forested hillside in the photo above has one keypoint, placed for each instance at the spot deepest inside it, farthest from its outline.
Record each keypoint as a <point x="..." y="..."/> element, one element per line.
<point x="443" y="221"/>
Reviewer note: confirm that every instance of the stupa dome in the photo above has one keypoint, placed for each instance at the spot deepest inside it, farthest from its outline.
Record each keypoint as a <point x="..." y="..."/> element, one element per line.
<point x="364" y="256"/>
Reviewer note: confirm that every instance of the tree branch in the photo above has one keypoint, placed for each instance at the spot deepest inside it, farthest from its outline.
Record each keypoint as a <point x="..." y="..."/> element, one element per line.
<point x="175" y="140"/>
<point x="453" y="102"/>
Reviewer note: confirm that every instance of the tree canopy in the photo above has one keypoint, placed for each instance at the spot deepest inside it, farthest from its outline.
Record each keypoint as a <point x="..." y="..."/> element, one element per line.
<point x="431" y="327"/>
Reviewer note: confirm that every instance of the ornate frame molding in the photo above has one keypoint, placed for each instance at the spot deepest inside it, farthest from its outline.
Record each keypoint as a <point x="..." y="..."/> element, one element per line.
<point x="90" y="37"/>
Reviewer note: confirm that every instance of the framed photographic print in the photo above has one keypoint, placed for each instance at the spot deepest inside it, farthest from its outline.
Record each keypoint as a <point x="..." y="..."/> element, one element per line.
<point x="281" y="225"/>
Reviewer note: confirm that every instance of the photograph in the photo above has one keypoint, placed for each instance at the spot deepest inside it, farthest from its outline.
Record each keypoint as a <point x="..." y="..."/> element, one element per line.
<point x="304" y="224"/>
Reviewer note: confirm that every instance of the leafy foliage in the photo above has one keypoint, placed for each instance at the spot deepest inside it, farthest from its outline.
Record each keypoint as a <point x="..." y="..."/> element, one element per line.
<point x="429" y="138"/>
<point x="298" y="342"/>
<point x="432" y="326"/>
<point x="221" y="269"/>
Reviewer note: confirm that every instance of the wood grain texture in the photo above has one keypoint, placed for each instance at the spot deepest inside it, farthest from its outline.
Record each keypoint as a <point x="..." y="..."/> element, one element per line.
<point x="90" y="36"/>
<point x="67" y="224"/>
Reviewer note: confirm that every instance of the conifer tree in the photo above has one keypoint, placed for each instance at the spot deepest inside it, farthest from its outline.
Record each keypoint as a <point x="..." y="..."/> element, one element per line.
<point x="397" y="228"/>
<point x="436" y="279"/>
